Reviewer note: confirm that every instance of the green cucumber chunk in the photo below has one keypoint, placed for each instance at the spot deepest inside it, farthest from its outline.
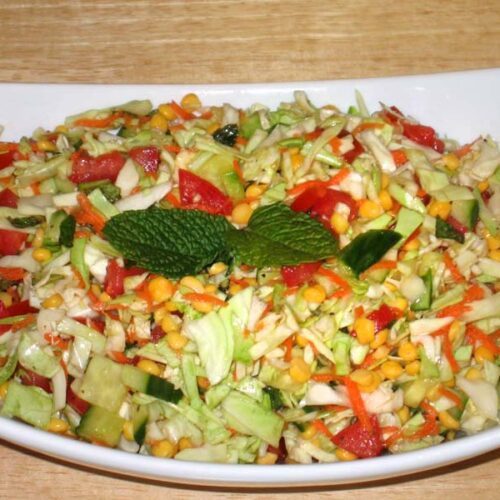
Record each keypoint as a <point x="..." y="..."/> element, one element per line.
<point x="103" y="426"/>
<point x="447" y="231"/>
<point x="424" y="301"/>
<point x="466" y="212"/>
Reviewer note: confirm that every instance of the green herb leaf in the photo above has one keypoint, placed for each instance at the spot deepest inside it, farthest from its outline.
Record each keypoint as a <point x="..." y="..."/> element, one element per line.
<point x="278" y="236"/>
<point x="174" y="243"/>
<point x="368" y="248"/>
<point x="22" y="222"/>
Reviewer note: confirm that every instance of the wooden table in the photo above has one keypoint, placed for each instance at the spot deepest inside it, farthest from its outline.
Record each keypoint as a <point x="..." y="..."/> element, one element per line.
<point x="155" y="41"/>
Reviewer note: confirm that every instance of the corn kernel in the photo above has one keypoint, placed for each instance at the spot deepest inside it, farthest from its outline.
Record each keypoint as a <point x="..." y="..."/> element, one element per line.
<point x="399" y="303"/>
<point x="176" y="341"/>
<point x="203" y="382"/>
<point x="408" y="351"/>
<point x="168" y="324"/>
<point x="45" y="145"/>
<point x="217" y="268"/>
<point x="315" y="294"/>
<point x="455" y="330"/>
<point x="167" y="112"/>
<point x="38" y="239"/>
<point x="482" y="354"/>
<point x="384" y="181"/>
<point x="404" y="414"/>
<point x="299" y="370"/>
<point x="301" y="341"/>
<point x="235" y="288"/>
<point x="213" y="127"/>
<point x="448" y="421"/>
<point x="170" y="306"/>
<point x="451" y="161"/>
<point x="450" y="435"/>
<point x="449" y="383"/>
<point x="192" y="283"/>
<point x="3" y="390"/>
<point x="392" y="369"/>
<point x="297" y="160"/>
<point x="362" y="377"/>
<point x="381" y="352"/>
<point x="42" y="254"/>
<point x="365" y="330"/>
<point x="483" y="186"/>
<point x="413" y="368"/>
<point x="310" y="432"/>
<point x="57" y="425"/>
<point x="385" y="199"/>
<point x="495" y="255"/>
<point x="433" y="393"/>
<point x="380" y="338"/>
<point x="339" y="223"/>
<point x="344" y="455"/>
<point x="53" y="302"/>
<point x="268" y="459"/>
<point x="369" y="209"/>
<point x="493" y="242"/>
<point x="210" y="288"/>
<point x="241" y="213"/>
<point x="160" y="289"/>
<point x="202" y="306"/>
<point x="159" y="122"/>
<point x="473" y="374"/>
<point x="128" y="430"/>
<point x="159" y="314"/>
<point x="185" y="443"/>
<point x="373" y="386"/>
<point x="191" y="102"/>
<point x="439" y="209"/>
<point x="163" y="449"/>
<point x="6" y="299"/>
<point x="61" y="129"/>
<point x="148" y="366"/>
<point x="413" y="244"/>
<point x="255" y="190"/>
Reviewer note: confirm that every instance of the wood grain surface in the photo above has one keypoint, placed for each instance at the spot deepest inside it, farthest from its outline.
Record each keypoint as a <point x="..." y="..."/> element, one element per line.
<point x="154" y="41"/>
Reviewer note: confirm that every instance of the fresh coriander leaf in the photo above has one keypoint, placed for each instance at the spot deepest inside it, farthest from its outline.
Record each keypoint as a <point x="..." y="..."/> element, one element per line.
<point x="368" y="248"/>
<point x="278" y="236"/>
<point x="174" y="243"/>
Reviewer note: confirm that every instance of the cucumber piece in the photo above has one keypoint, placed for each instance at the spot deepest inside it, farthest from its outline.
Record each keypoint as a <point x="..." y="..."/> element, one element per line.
<point x="152" y="385"/>
<point x="249" y="124"/>
<point x="408" y="221"/>
<point x="52" y="234"/>
<point x="233" y="186"/>
<point x="466" y="212"/>
<point x="424" y="301"/>
<point x="98" y="424"/>
<point x="28" y="403"/>
<point x="368" y="248"/>
<point x="139" y="422"/>
<point x="102" y="384"/>
<point x="447" y="231"/>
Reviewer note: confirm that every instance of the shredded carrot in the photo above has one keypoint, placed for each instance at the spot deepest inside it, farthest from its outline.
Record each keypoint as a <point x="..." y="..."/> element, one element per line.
<point x="335" y="143"/>
<point x="88" y="215"/>
<point x="474" y="334"/>
<point x="336" y="408"/>
<point x="383" y="264"/>
<point x="172" y="148"/>
<point x="358" y="406"/>
<point x="241" y="140"/>
<point x="450" y="265"/>
<point x="97" y="122"/>
<point x="143" y="293"/>
<point x="119" y="357"/>
<point x="451" y="396"/>
<point x="327" y="377"/>
<point x="367" y="126"/>
<point x="304" y="186"/>
<point x="359" y="311"/>
<point x="180" y="111"/>
<point x="474" y="292"/>
<point x="56" y="341"/>
<point x="204" y="297"/>
<point x="23" y="323"/>
<point x="288" y="346"/>
<point x="399" y="157"/>
<point x="12" y="273"/>
<point x="338" y="177"/>
<point x="35" y="187"/>
<point x="340" y="293"/>
<point x="448" y="352"/>
<point x="462" y="151"/>
<point x="7" y="147"/>
<point x="290" y="290"/>
<point x="334" y="278"/>
<point x="173" y="200"/>
<point x="320" y="426"/>
<point x="368" y="361"/>
<point x="455" y="310"/>
<point x="239" y="172"/>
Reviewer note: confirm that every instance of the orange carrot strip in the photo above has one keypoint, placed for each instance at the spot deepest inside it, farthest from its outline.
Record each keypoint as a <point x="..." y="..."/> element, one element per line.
<point x="320" y="426"/>
<point x="399" y="157"/>
<point x="450" y="265"/>
<point x="172" y="148"/>
<point x="173" y="200"/>
<point x="455" y="310"/>
<point x="327" y="377"/>
<point x="339" y="177"/>
<point x="334" y="278"/>
<point x="383" y="264"/>
<point x="304" y="186"/>
<point x="119" y="357"/>
<point x="181" y="112"/>
<point x="336" y="408"/>
<point x="239" y="172"/>
<point x="462" y="151"/>
<point x="23" y="323"/>
<point x="451" y="396"/>
<point x="474" y="334"/>
<point x="474" y="292"/>
<point x="358" y="406"/>
<point x="367" y="126"/>
<point x="448" y="352"/>
<point x="288" y="346"/>
<point x="88" y="215"/>
<point x="204" y="297"/>
<point x="12" y="273"/>
<point x="56" y="341"/>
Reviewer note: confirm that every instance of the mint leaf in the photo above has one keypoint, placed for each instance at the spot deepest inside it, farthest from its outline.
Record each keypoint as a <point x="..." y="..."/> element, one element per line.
<point x="174" y="243"/>
<point x="278" y="236"/>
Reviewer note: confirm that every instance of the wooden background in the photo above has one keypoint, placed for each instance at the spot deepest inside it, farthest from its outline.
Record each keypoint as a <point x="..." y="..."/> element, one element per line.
<point x="154" y="41"/>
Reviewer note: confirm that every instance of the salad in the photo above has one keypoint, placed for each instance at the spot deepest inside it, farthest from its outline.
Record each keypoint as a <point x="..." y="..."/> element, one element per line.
<point x="289" y="285"/>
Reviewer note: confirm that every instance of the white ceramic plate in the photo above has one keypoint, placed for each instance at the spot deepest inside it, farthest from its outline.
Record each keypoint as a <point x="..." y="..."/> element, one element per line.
<point x="462" y="105"/>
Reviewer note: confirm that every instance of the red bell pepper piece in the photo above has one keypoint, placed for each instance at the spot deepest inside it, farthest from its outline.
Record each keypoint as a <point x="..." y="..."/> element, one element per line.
<point x="11" y="241"/>
<point x="297" y="275"/>
<point x="360" y="441"/>
<point x="78" y="404"/>
<point x="8" y="199"/>
<point x="424" y="135"/>
<point x="306" y="200"/>
<point x="86" y="168"/>
<point x="17" y="309"/>
<point x="6" y="159"/>
<point x="147" y="157"/>
<point x="157" y="333"/>
<point x="31" y="378"/>
<point x="197" y="193"/>
<point x="351" y="155"/>
<point x="384" y="316"/>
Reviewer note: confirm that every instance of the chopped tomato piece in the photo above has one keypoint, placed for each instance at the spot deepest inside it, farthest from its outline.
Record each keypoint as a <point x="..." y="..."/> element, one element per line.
<point x="360" y="441"/>
<point x="197" y="193"/>
<point x="86" y="168"/>
<point x="147" y="157"/>
<point x="423" y="135"/>
<point x="78" y="404"/>
<point x="297" y="275"/>
<point x="11" y="241"/>
<point x="351" y="155"/>
<point x="384" y="316"/>
<point x="114" y="281"/>
<point x="17" y="309"/>
<point x="8" y="199"/>
<point x="6" y="159"/>
<point x="31" y="378"/>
